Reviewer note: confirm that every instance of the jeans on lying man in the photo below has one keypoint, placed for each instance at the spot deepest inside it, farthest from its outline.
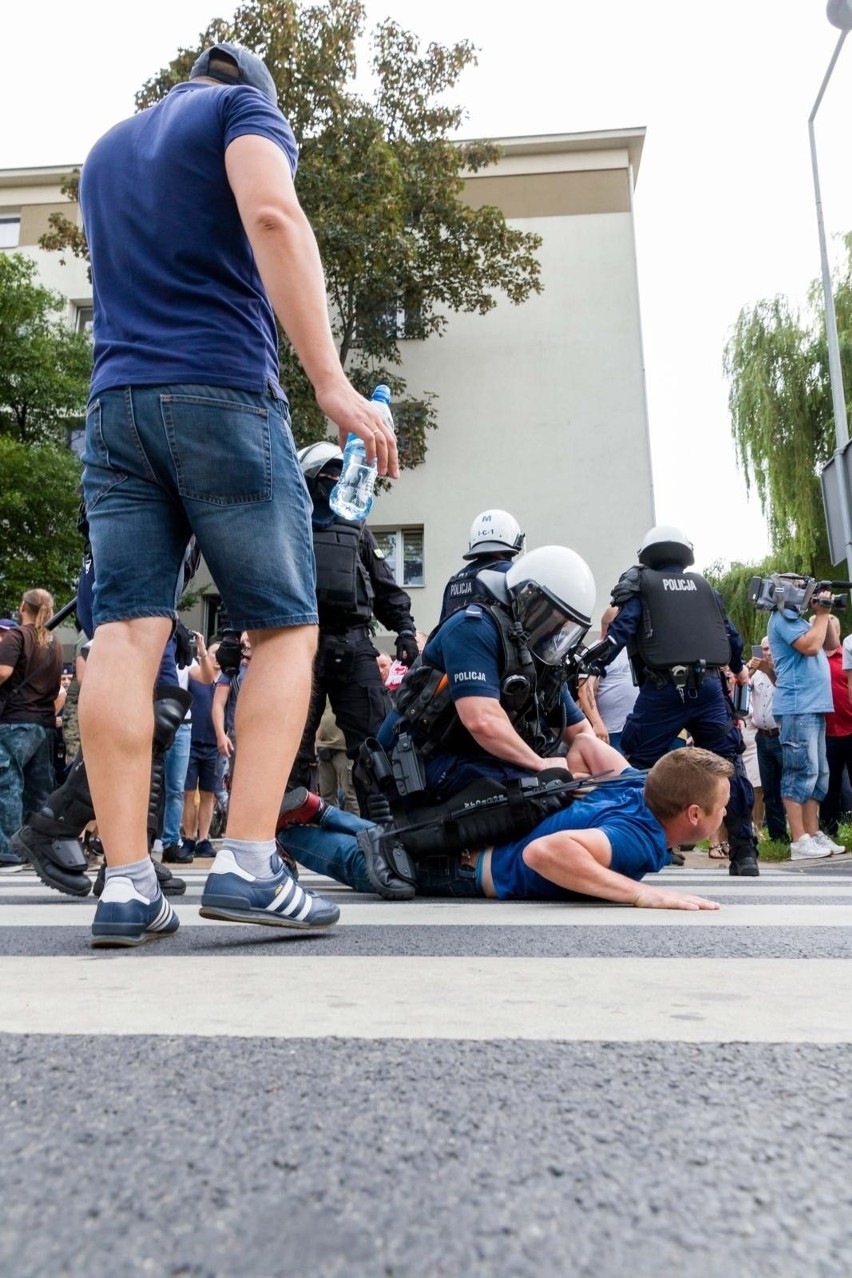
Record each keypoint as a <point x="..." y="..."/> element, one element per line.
<point x="330" y="847"/>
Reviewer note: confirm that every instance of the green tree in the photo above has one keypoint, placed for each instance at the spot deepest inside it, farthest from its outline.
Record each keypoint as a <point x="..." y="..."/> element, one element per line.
<point x="38" y="520"/>
<point x="382" y="185"/>
<point x="44" y="365"/>
<point x="781" y="414"/>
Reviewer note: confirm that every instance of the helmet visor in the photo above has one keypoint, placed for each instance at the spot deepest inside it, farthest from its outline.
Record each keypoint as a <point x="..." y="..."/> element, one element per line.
<point x="553" y="629"/>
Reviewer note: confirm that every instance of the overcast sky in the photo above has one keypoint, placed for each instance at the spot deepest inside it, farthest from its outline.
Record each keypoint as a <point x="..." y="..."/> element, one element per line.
<point x="724" y="198"/>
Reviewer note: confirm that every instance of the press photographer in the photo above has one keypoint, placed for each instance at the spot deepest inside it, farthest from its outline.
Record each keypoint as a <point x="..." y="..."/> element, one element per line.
<point x="802" y="700"/>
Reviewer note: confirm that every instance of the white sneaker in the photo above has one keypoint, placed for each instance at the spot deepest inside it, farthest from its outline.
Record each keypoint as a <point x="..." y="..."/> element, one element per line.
<point x="807" y="849"/>
<point x="826" y="842"/>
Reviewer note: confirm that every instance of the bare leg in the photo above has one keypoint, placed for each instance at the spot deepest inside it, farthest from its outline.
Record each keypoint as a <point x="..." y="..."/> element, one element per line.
<point x="116" y="728"/>
<point x="189" y="820"/>
<point x="206" y="799"/>
<point x="796" y="818"/>
<point x="271" y="711"/>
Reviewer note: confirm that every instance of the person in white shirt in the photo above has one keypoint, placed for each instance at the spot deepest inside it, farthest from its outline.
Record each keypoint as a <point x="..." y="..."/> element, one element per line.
<point x="768" y="740"/>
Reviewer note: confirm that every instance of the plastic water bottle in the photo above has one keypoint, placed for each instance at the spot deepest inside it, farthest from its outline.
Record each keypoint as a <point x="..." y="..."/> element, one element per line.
<point x="352" y="495"/>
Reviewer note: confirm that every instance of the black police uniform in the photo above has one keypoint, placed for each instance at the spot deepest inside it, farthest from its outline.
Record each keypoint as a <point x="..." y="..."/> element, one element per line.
<point x="354" y="584"/>
<point x="678" y="638"/>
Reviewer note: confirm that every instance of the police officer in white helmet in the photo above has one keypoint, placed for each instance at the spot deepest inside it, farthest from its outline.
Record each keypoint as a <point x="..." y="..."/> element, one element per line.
<point x="495" y="540"/>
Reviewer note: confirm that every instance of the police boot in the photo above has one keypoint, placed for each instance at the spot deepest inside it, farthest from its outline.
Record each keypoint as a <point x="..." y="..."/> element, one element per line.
<point x="50" y="840"/>
<point x="384" y="873"/>
<point x="743" y="854"/>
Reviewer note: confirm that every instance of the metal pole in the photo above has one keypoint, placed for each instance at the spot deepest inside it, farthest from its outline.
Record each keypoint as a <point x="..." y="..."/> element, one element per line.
<point x="835" y="370"/>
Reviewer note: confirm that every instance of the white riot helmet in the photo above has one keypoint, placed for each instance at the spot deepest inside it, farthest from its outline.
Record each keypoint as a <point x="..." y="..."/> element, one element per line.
<point x="553" y="595"/>
<point x="664" y="545"/>
<point x="315" y="457"/>
<point x="493" y="532"/>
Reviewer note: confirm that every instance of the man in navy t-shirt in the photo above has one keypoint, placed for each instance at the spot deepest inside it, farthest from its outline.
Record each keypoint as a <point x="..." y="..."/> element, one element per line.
<point x="602" y="845"/>
<point x="197" y="243"/>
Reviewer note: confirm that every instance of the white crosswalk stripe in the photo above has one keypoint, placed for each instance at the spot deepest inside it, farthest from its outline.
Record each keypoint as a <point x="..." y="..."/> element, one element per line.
<point x="391" y="993"/>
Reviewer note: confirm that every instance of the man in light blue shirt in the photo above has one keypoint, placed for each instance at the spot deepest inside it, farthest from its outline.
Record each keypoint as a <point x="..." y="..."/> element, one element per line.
<point x="801" y="701"/>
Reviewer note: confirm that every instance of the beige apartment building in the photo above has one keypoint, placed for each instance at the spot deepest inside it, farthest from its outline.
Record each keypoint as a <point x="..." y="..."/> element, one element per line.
<point x="541" y="407"/>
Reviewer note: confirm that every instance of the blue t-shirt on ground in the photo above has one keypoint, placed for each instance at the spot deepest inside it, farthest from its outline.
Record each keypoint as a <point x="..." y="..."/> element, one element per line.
<point x="618" y="810"/>
<point x="177" y="295"/>
<point x="802" y="683"/>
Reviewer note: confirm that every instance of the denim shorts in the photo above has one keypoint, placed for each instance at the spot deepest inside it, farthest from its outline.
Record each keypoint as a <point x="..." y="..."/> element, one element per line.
<point x="804" y="774"/>
<point x="163" y="462"/>
<point x="203" y="769"/>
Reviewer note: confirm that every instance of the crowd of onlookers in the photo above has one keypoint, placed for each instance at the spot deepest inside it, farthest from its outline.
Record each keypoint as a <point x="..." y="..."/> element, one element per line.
<point x="39" y="736"/>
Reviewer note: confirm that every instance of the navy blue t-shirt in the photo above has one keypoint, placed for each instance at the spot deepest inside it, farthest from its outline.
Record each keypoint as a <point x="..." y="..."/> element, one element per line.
<point x="177" y="294"/>
<point x="467" y="648"/>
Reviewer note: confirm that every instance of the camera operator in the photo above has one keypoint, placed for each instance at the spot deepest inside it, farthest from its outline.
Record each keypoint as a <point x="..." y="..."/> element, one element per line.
<point x="802" y="700"/>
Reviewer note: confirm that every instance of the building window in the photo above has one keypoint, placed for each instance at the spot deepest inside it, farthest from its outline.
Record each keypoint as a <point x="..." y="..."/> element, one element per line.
<point x="403" y="549"/>
<point x="85" y="318"/>
<point x="10" y="230"/>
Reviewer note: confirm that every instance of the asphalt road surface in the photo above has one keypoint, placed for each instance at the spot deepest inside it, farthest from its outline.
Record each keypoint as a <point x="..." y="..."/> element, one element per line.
<point x="434" y="1088"/>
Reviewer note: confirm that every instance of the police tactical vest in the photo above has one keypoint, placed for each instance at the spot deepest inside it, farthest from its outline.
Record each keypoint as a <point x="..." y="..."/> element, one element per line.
<point x="682" y="622"/>
<point x="463" y="588"/>
<point x="344" y="589"/>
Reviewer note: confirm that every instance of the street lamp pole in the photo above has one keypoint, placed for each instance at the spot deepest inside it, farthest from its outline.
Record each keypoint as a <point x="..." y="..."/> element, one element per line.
<point x="839" y="13"/>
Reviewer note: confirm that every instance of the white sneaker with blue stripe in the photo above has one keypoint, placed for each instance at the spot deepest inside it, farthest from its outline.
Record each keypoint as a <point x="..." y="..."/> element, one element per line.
<point x="232" y="894"/>
<point x="125" y="917"/>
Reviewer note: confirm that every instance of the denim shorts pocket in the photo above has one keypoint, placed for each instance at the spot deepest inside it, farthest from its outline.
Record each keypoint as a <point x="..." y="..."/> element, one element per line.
<point x="100" y="474"/>
<point x="220" y="446"/>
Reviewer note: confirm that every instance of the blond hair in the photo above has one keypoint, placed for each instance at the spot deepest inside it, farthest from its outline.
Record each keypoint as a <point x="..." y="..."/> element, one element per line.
<point x="683" y="777"/>
<point x="40" y="604"/>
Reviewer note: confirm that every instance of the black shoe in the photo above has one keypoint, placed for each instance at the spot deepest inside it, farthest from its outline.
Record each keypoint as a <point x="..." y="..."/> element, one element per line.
<point x="675" y="857"/>
<point x="745" y="866"/>
<point x="169" y="884"/>
<point x="174" y="854"/>
<point x="379" y="870"/>
<point x="59" y="863"/>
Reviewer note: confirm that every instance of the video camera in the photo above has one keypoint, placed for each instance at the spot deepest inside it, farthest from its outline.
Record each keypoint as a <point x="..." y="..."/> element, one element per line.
<point x="791" y="590"/>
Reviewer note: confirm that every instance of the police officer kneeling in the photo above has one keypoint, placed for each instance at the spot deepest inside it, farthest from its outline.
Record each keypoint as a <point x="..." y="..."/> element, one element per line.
<point x="488" y="696"/>
<point x="678" y="638"/>
<point x="485" y="711"/>
<point x="354" y="583"/>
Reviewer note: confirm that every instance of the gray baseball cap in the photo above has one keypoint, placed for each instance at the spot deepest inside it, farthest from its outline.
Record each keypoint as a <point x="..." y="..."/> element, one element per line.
<point x="250" y="69"/>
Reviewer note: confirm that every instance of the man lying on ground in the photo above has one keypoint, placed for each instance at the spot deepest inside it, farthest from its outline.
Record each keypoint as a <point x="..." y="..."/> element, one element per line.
<point x="601" y="845"/>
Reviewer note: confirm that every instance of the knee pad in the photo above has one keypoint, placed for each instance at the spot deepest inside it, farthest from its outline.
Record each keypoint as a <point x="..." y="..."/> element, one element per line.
<point x="171" y="703"/>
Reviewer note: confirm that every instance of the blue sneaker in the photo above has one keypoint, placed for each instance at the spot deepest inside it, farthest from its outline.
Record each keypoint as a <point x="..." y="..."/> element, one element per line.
<point x="125" y="917"/>
<point x="233" y="894"/>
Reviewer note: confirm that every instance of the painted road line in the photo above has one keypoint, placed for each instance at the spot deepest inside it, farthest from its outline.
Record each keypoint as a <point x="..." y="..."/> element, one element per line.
<point x="485" y="914"/>
<point x="602" y="999"/>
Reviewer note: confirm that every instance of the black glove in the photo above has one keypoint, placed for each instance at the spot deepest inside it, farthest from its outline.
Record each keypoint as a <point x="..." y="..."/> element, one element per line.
<point x="406" y="647"/>
<point x="595" y="659"/>
<point x="229" y="653"/>
<point x="185" y="646"/>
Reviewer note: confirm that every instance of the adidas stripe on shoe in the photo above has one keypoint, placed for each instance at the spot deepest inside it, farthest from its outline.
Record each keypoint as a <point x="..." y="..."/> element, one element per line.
<point x="124" y="917"/>
<point x="236" y="896"/>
